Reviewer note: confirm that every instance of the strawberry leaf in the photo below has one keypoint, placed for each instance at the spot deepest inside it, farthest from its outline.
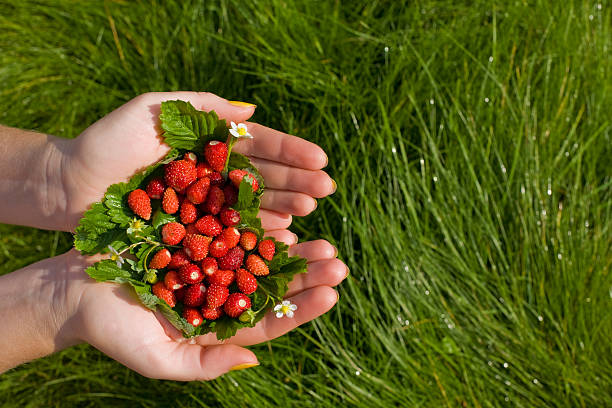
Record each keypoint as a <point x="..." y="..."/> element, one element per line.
<point x="106" y="270"/>
<point x="188" y="128"/>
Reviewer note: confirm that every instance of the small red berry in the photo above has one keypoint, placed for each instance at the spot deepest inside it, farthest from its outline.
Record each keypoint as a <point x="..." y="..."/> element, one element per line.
<point x="246" y="281"/>
<point x="214" y="200"/>
<point x="161" y="291"/>
<point x="229" y="217"/>
<point x="140" y="203"/>
<point x="233" y="259"/>
<point x="218" y="248"/>
<point x="236" y="303"/>
<point x="236" y="177"/>
<point x="173" y="233"/>
<point x="193" y="316"/>
<point x="180" y="293"/>
<point x="222" y="277"/>
<point x="197" y="192"/>
<point x="212" y="314"/>
<point x="248" y="240"/>
<point x="209" y="266"/>
<point x="170" y="202"/>
<point x="195" y="295"/>
<point x="189" y="212"/>
<point x="231" y="195"/>
<point x="161" y="259"/>
<point x="216" y="179"/>
<point x="256" y="265"/>
<point x="190" y="274"/>
<point x="155" y="188"/>
<point x="179" y="174"/>
<point x="196" y="246"/>
<point x="209" y="225"/>
<point x="231" y="236"/>
<point x="266" y="249"/>
<point x="216" y="154"/>
<point x="203" y="170"/>
<point x="191" y="157"/>
<point x="179" y="258"/>
<point x="173" y="281"/>
<point x="216" y="296"/>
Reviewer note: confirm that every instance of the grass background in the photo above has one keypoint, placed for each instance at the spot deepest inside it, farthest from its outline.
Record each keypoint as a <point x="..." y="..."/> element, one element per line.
<point x="471" y="145"/>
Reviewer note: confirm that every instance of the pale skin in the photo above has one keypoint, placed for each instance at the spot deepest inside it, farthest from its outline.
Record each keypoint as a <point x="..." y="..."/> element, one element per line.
<point x="47" y="182"/>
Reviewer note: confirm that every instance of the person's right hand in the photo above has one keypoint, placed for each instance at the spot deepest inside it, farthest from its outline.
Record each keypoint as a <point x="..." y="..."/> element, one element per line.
<point x="128" y="139"/>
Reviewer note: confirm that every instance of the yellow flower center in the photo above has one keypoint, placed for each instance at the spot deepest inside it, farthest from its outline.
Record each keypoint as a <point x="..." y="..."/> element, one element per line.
<point x="114" y="257"/>
<point x="285" y="309"/>
<point x="137" y="224"/>
<point x="242" y="131"/>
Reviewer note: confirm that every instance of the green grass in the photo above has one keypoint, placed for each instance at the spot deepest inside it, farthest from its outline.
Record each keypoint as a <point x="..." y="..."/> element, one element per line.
<point x="471" y="146"/>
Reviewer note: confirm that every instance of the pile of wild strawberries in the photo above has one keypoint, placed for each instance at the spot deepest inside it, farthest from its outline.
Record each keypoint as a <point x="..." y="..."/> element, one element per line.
<point x="211" y="267"/>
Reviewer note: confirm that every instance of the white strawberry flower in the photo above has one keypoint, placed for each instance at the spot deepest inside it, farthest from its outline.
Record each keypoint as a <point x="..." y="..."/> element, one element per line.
<point x="240" y="130"/>
<point x="116" y="256"/>
<point x="286" y="308"/>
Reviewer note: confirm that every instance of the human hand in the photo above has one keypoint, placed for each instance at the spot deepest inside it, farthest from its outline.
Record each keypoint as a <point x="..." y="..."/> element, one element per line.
<point x="111" y="318"/>
<point x="128" y="139"/>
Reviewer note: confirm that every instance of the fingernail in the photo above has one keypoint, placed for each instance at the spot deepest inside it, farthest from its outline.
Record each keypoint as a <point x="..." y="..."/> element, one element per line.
<point x="326" y="161"/>
<point x="335" y="251"/>
<point x="243" y="366"/>
<point x="296" y="238"/>
<point x="337" y="295"/>
<point x="238" y="103"/>
<point x="334" y="186"/>
<point x="316" y="204"/>
<point x="348" y="272"/>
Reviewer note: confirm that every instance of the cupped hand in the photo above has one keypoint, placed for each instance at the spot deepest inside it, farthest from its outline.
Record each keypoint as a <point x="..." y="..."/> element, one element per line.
<point x="109" y="317"/>
<point x="128" y="139"/>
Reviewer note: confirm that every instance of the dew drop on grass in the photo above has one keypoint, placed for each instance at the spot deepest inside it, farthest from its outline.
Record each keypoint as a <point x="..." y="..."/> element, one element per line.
<point x="586" y="224"/>
<point x="435" y="179"/>
<point x="591" y="17"/>
<point x="490" y="363"/>
<point x="588" y="300"/>
<point x="386" y="49"/>
<point x="491" y="59"/>
<point x="344" y="219"/>
<point x="566" y="154"/>
<point x="535" y="381"/>
<point x="505" y="365"/>
<point x="393" y="150"/>
<point x="431" y="101"/>
<point x="522" y="189"/>
<point x="406" y="322"/>
<point x="540" y="318"/>
<point x="507" y="382"/>
<point x="599" y="6"/>
<point x="427" y="292"/>
<point x="486" y="100"/>
<point x="357" y="372"/>
<point x="503" y="168"/>
<point x="506" y="398"/>
<point x="559" y="256"/>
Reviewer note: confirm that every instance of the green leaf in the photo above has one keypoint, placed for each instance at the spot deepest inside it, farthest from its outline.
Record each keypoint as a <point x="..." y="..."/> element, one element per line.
<point x="175" y="319"/>
<point x="160" y="218"/>
<point x="106" y="270"/>
<point x="245" y="196"/>
<point x="188" y="128"/>
<point x="227" y="327"/>
<point x="239" y="161"/>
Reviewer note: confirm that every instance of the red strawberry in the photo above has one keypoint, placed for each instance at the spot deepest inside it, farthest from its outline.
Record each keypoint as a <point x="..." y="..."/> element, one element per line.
<point x="170" y="202"/>
<point x="173" y="281"/>
<point x="248" y="240"/>
<point x="216" y="296"/>
<point x="190" y="274"/>
<point x="214" y="200"/>
<point x="216" y="154"/>
<point x="191" y="157"/>
<point x="236" y="177"/>
<point x="195" y="295"/>
<point x="179" y="258"/>
<point x="180" y="293"/>
<point x="161" y="259"/>
<point x="155" y="188"/>
<point x="191" y="229"/>
<point x="161" y="291"/>
<point x="233" y="259"/>
<point x="212" y="314"/>
<point x="209" y="266"/>
<point x="173" y="233"/>
<point x="192" y="316"/>
<point x="189" y="212"/>
<point x="229" y="217"/>
<point x="216" y="179"/>
<point x="140" y="203"/>
<point x="197" y="192"/>
<point x="203" y="170"/>
<point x="180" y="174"/>
<point x="231" y="195"/>
<point x="222" y="277"/>
<point x="209" y="225"/>
<point x="236" y="303"/>
<point x="246" y="281"/>
<point x="231" y="236"/>
<point x="266" y="249"/>
<point x="256" y="265"/>
<point x="218" y="248"/>
<point x="196" y="246"/>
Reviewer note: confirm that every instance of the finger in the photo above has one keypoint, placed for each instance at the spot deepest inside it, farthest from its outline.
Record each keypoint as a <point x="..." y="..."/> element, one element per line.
<point x="188" y="361"/>
<point x="311" y="304"/>
<point x="278" y="176"/>
<point x="314" y="250"/>
<point x="205" y="101"/>
<point x="285" y="236"/>
<point x="273" y="145"/>
<point x="272" y="220"/>
<point x="288" y="202"/>
<point x="329" y="272"/>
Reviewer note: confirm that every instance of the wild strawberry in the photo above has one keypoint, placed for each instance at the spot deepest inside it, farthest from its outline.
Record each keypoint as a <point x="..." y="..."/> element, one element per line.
<point x="222" y="277"/>
<point x="179" y="258"/>
<point x="218" y="248"/>
<point x="212" y="314"/>
<point x="232" y="260"/>
<point x="190" y="274"/>
<point x="236" y="303"/>
<point x="161" y="259"/>
<point x="173" y="233"/>
<point x="189" y="212"/>
<point x="248" y="240"/>
<point x="191" y="157"/>
<point x="179" y="174"/>
<point x="155" y="188"/>
<point x="216" y="154"/>
<point x="209" y="266"/>
<point x="140" y="203"/>
<point x="197" y="192"/>
<point x="180" y="293"/>
<point x="266" y="249"/>
<point x="231" y="195"/>
<point x="190" y="229"/>
<point x="209" y="225"/>
<point x="170" y="202"/>
<point x="173" y="281"/>
<point x="193" y="316"/>
<point x="203" y="170"/>
<point x="195" y="295"/>
<point x="214" y="200"/>
<point x="246" y="281"/>
<point x="229" y="217"/>
<point x="231" y="236"/>
<point x="161" y="291"/>
<point x="236" y="177"/>
<point x="216" y="296"/>
<point x="216" y="179"/>
<point x="256" y="265"/>
<point x="196" y="246"/>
